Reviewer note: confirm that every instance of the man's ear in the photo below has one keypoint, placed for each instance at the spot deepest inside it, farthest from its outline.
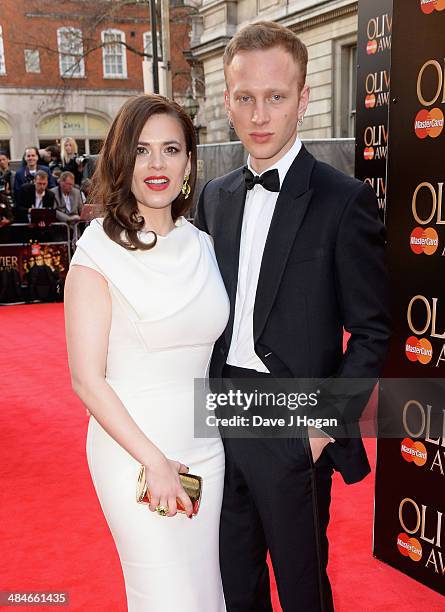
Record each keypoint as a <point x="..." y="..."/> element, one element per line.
<point x="227" y="101"/>
<point x="304" y="100"/>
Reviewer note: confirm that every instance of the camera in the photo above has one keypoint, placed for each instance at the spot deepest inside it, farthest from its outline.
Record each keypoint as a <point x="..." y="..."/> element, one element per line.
<point x="54" y="163"/>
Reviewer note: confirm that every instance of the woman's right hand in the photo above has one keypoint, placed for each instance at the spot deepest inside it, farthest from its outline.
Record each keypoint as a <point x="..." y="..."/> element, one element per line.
<point x="165" y="487"/>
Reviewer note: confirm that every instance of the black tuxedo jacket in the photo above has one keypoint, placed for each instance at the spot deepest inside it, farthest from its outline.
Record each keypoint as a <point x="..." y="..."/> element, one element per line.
<point x="26" y="198"/>
<point x="323" y="270"/>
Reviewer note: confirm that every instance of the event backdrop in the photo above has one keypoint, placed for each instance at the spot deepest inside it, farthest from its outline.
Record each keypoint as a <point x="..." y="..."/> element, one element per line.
<point x="32" y="272"/>
<point x="409" y="531"/>
<point x="373" y="82"/>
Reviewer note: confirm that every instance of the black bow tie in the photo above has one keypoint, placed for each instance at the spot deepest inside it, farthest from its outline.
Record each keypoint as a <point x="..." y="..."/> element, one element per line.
<point x="270" y="180"/>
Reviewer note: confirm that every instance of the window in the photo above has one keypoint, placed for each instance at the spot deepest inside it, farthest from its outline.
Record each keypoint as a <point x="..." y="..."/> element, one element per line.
<point x="2" y="54"/>
<point x="89" y="131"/>
<point x="148" y="47"/>
<point x="5" y="135"/>
<point x="70" y="45"/>
<point x="352" y="89"/>
<point x="345" y="85"/>
<point x="4" y="146"/>
<point x="114" y="54"/>
<point x="32" y="60"/>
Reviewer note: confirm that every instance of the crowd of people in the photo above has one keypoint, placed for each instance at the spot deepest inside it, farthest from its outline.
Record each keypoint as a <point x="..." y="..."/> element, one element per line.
<point x="47" y="178"/>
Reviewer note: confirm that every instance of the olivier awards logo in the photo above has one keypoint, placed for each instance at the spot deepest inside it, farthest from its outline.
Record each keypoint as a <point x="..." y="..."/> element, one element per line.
<point x="378" y="183"/>
<point x="421" y="538"/>
<point x="429" y="6"/>
<point x="379" y="34"/>
<point x="377" y="89"/>
<point x="416" y="419"/>
<point x="9" y="262"/>
<point x="430" y="91"/>
<point x="426" y="206"/>
<point x="422" y="318"/>
<point x="376" y="142"/>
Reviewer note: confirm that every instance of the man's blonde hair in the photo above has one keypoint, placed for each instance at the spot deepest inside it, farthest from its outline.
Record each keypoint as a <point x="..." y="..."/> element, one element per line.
<point x="266" y="35"/>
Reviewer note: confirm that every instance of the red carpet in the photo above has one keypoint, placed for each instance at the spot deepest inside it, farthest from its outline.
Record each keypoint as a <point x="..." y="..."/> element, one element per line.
<point x="53" y="535"/>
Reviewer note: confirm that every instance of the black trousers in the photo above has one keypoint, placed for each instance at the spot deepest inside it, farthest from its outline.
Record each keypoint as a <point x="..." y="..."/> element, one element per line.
<point x="276" y="500"/>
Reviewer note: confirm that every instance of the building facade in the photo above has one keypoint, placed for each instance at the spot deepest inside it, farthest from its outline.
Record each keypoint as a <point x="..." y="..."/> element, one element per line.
<point x="328" y="28"/>
<point x="67" y="66"/>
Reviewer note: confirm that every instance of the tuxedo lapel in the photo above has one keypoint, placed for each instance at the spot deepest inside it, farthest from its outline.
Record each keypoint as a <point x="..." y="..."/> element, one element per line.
<point x="46" y="202"/>
<point x="289" y="213"/>
<point x="227" y="233"/>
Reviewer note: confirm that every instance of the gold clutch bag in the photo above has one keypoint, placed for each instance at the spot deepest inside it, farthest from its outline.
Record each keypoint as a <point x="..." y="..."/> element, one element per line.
<point x="192" y="486"/>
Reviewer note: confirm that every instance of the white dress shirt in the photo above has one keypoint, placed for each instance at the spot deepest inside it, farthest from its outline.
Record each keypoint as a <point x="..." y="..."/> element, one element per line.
<point x="258" y="211"/>
<point x="67" y="200"/>
<point x="39" y="200"/>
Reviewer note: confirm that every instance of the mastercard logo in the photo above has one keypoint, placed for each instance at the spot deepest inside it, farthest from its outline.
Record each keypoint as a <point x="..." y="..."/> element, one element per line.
<point x="370" y="101"/>
<point x="371" y="47"/>
<point x="429" y="123"/>
<point x="429" y="6"/>
<point x="368" y="153"/>
<point x="409" y="547"/>
<point x="419" y="350"/>
<point x="413" y="452"/>
<point x="424" y="240"/>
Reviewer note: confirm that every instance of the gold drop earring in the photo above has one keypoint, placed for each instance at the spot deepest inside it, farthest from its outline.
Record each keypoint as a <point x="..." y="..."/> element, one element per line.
<point x="186" y="188"/>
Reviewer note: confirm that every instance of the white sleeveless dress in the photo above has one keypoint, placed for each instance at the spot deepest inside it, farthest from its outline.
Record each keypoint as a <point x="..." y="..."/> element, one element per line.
<point x="169" y="305"/>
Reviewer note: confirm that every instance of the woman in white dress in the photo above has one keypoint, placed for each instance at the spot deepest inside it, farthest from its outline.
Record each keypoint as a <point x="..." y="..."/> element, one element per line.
<point x="144" y="303"/>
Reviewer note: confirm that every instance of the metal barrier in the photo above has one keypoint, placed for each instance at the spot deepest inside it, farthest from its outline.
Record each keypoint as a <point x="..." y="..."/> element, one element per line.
<point x="78" y="229"/>
<point x="20" y="234"/>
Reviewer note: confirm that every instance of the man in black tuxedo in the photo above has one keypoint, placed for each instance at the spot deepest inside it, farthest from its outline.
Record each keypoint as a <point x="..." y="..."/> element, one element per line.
<point x="300" y="247"/>
<point x="33" y="195"/>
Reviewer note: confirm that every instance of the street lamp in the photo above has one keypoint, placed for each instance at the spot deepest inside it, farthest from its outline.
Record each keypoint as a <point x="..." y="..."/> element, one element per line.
<point x="154" y="44"/>
<point x="191" y="107"/>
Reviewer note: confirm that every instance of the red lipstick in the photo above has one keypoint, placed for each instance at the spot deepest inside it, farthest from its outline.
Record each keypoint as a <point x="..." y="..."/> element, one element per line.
<point x="157" y="183"/>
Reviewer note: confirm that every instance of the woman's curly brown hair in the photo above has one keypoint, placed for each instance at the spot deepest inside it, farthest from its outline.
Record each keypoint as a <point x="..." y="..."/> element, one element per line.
<point x="111" y="183"/>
